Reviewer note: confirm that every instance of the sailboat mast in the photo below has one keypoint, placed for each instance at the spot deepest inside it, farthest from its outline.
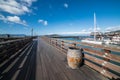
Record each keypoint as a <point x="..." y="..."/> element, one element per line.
<point x="95" y="26"/>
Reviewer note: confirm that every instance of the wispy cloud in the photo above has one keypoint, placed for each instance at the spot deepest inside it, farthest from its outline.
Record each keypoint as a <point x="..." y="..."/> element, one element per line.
<point x="28" y="2"/>
<point x="98" y="29"/>
<point x="15" y="7"/>
<point x="65" y="5"/>
<point x="44" y="22"/>
<point x="13" y="19"/>
<point x="112" y="28"/>
<point x="82" y="32"/>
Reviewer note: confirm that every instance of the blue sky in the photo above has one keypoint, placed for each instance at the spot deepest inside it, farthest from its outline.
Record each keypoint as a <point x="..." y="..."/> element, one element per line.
<point x="70" y="17"/>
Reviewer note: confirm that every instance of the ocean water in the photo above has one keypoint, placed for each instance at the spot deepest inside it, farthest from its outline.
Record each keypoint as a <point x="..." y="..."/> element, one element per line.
<point x="83" y="37"/>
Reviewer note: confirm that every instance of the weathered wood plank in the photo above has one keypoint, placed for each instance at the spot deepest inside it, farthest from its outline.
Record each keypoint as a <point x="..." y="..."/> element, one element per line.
<point x="116" y="49"/>
<point x="56" y="66"/>
<point x="39" y="63"/>
<point x="101" y="70"/>
<point x="103" y="63"/>
<point x="105" y="55"/>
<point x="101" y="54"/>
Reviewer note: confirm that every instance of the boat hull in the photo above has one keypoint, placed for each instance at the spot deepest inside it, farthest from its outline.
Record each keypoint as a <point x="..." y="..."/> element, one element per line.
<point x="92" y="42"/>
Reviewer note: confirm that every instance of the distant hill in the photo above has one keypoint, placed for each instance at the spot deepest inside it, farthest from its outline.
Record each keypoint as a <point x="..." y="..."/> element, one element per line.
<point x="53" y="35"/>
<point x="11" y="35"/>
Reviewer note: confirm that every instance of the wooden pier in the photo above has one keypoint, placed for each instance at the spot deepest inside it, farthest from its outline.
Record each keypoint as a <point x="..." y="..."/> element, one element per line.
<point x="45" y="59"/>
<point x="98" y="57"/>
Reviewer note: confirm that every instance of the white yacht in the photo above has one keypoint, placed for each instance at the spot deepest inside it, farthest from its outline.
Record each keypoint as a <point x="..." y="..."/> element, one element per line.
<point x="115" y="40"/>
<point x="93" y="41"/>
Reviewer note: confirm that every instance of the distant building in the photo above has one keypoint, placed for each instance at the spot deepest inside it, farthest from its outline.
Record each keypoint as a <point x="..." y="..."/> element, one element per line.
<point x="113" y="33"/>
<point x="114" y="36"/>
<point x="97" y="33"/>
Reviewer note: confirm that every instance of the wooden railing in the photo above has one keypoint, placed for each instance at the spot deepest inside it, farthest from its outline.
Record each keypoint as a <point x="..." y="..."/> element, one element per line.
<point x="8" y="48"/>
<point x="98" y="57"/>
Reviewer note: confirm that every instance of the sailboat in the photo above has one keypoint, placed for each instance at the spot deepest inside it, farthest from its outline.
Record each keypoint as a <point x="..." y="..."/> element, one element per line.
<point x="93" y="41"/>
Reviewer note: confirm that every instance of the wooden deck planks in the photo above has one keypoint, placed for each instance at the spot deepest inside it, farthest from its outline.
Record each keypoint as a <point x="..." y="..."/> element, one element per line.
<point x="52" y="65"/>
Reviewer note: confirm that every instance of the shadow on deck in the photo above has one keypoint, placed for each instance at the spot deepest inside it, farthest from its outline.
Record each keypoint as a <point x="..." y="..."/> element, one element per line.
<point x="21" y="65"/>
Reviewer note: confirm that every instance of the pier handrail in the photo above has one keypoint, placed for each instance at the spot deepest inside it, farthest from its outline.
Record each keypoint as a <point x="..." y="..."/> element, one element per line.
<point x="98" y="57"/>
<point x="8" y="48"/>
<point x="10" y="41"/>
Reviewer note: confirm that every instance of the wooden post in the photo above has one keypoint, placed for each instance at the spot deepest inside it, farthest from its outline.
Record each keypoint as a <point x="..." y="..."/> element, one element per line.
<point x="56" y="42"/>
<point x="74" y="45"/>
<point x="50" y="40"/>
<point x="106" y="60"/>
<point x="62" y="44"/>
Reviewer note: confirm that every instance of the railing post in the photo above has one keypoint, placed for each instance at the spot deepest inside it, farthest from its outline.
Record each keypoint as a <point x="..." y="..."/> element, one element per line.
<point x="74" y="45"/>
<point x="56" y="42"/>
<point x="49" y="40"/>
<point x="52" y="42"/>
<point x="62" y="44"/>
<point x="106" y="60"/>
